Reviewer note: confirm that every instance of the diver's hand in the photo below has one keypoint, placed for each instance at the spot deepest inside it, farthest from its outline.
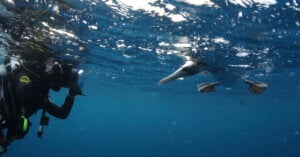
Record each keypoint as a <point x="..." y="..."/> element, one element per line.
<point x="75" y="90"/>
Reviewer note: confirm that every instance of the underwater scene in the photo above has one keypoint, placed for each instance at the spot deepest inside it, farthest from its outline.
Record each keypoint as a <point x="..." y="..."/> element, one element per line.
<point x="163" y="78"/>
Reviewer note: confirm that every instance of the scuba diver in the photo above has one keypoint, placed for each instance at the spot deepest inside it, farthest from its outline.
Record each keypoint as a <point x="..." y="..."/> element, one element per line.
<point x="193" y="66"/>
<point x="24" y="89"/>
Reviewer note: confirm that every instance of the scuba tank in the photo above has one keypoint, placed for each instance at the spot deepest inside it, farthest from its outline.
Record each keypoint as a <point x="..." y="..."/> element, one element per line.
<point x="8" y="106"/>
<point x="10" y="64"/>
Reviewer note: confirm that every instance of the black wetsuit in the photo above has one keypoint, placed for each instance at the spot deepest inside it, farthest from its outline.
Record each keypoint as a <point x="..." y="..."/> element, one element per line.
<point x="24" y="96"/>
<point x="33" y="94"/>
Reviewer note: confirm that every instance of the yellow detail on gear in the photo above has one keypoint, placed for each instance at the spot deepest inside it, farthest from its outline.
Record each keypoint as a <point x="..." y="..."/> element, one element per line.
<point x="24" y="79"/>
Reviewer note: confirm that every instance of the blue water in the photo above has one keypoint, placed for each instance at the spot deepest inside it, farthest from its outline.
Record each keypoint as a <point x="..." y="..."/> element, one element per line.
<point x="125" y="48"/>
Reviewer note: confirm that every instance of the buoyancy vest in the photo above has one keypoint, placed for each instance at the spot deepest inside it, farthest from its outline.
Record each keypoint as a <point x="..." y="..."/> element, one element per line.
<point x="8" y="106"/>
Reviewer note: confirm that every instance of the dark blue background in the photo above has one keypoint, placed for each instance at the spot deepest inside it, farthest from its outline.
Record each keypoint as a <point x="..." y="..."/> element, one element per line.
<point x="126" y="114"/>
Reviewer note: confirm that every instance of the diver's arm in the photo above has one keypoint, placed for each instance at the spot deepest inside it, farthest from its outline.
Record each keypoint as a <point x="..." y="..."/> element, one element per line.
<point x="61" y="112"/>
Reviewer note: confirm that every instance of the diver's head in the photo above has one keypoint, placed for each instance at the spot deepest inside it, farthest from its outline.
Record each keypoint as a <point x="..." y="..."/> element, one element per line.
<point x="54" y="74"/>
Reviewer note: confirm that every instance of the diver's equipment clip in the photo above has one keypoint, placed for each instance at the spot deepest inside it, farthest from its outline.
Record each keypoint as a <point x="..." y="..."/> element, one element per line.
<point x="44" y="121"/>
